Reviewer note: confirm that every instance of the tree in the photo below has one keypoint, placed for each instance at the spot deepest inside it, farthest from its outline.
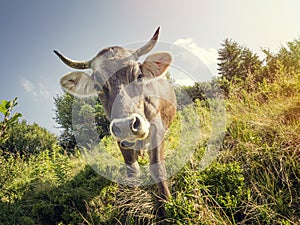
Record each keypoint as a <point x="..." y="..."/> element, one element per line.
<point x="288" y="56"/>
<point x="236" y="63"/>
<point x="65" y="105"/>
<point x="294" y="54"/>
<point x="63" y="116"/>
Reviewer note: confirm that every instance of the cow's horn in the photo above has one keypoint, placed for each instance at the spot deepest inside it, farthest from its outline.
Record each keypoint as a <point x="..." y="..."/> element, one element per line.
<point x="148" y="47"/>
<point x="72" y="63"/>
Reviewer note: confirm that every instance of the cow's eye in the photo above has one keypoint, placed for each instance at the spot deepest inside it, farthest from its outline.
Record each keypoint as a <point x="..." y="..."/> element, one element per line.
<point x="140" y="77"/>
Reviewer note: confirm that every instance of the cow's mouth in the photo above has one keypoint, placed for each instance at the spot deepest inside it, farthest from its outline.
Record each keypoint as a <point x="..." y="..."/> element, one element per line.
<point x="127" y="144"/>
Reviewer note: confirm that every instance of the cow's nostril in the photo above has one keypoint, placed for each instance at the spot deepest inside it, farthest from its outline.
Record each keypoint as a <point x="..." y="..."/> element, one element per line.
<point x="116" y="130"/>
<point x="136" y="124"/>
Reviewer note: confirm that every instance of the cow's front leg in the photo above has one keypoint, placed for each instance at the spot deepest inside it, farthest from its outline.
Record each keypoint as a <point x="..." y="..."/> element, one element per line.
<point x="130" y="158"/>
<point x="157" y="166"/>
<point x="158" y="172"/>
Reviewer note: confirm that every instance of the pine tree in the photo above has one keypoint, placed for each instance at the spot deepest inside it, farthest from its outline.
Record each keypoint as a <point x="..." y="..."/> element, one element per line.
<point x="236" y="63"/>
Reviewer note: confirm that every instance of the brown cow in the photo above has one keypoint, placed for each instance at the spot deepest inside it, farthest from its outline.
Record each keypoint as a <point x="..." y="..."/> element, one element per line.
<point x="137" y="99"/>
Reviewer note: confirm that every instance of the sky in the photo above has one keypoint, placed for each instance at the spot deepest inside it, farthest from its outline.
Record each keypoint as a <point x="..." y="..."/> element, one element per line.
<point x="192" y="30"/>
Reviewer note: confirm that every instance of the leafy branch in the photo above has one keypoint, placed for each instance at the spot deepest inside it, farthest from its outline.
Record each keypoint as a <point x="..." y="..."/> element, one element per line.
<point x="6" y="108"/>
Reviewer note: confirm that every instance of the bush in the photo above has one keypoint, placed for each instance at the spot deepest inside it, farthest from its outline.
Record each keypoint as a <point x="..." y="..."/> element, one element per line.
<point x="46" y="189"/>
<point x="26" y="139"/>
<point x="225" y="183"/>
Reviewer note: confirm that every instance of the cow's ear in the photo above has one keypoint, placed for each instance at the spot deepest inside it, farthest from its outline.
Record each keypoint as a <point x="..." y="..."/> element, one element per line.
<point x="80" y="84"/>
<point x="156" y="64"/>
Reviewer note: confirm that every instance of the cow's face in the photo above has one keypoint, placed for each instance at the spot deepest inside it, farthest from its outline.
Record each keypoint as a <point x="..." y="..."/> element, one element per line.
<point x="127" y="101"/>
<point x="122" y="85"/>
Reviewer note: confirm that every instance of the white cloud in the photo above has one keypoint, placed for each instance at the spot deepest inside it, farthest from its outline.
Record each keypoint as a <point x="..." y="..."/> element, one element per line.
<point x="27" y="85"/>
<point x="207" y="55"/>
<point x="36" y="90"/>
<point x="43" y="90"/>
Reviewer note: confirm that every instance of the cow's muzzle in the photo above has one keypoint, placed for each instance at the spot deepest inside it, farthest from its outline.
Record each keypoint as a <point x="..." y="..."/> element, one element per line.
<point x="130" y="129"/>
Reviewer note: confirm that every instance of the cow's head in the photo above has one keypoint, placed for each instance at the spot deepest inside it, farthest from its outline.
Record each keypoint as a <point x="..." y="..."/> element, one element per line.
<point x="120" y="82"/>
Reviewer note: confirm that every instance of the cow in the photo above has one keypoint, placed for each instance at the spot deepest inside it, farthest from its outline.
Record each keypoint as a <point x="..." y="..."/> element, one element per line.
<point x="137" y="99"/>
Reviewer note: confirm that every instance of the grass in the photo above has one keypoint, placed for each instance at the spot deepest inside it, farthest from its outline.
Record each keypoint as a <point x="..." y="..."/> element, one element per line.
<point x="254" y="180"/>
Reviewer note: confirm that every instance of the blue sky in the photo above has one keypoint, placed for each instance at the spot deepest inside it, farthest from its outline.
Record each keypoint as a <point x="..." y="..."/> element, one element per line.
<point x="32" y="29"/>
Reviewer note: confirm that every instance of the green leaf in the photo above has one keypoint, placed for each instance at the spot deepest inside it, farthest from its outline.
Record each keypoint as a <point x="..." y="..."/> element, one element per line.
<point x="3" y="108"/>
<point x="8" y="104"/>
<point x="14" y="118"/>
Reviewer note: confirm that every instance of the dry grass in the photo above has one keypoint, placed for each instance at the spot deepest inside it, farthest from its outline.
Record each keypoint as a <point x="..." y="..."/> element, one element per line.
<point x="291" y="115"/>
<point x="136" y="205"/>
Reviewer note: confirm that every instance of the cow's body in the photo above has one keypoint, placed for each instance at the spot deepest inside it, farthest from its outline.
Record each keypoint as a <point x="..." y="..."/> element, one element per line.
<point x="137" y="99"/>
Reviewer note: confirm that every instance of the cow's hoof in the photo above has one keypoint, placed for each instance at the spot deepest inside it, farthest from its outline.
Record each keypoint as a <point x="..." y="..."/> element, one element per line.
<point x="161" y="212"/>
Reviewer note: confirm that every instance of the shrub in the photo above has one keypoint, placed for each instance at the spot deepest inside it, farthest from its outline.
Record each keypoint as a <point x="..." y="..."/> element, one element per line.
<point x="26" y="139"/>
<point x="225" y="183"/>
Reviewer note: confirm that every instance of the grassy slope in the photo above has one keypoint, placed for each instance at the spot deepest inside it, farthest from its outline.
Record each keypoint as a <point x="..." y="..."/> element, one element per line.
<point x="255" y="179"/>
